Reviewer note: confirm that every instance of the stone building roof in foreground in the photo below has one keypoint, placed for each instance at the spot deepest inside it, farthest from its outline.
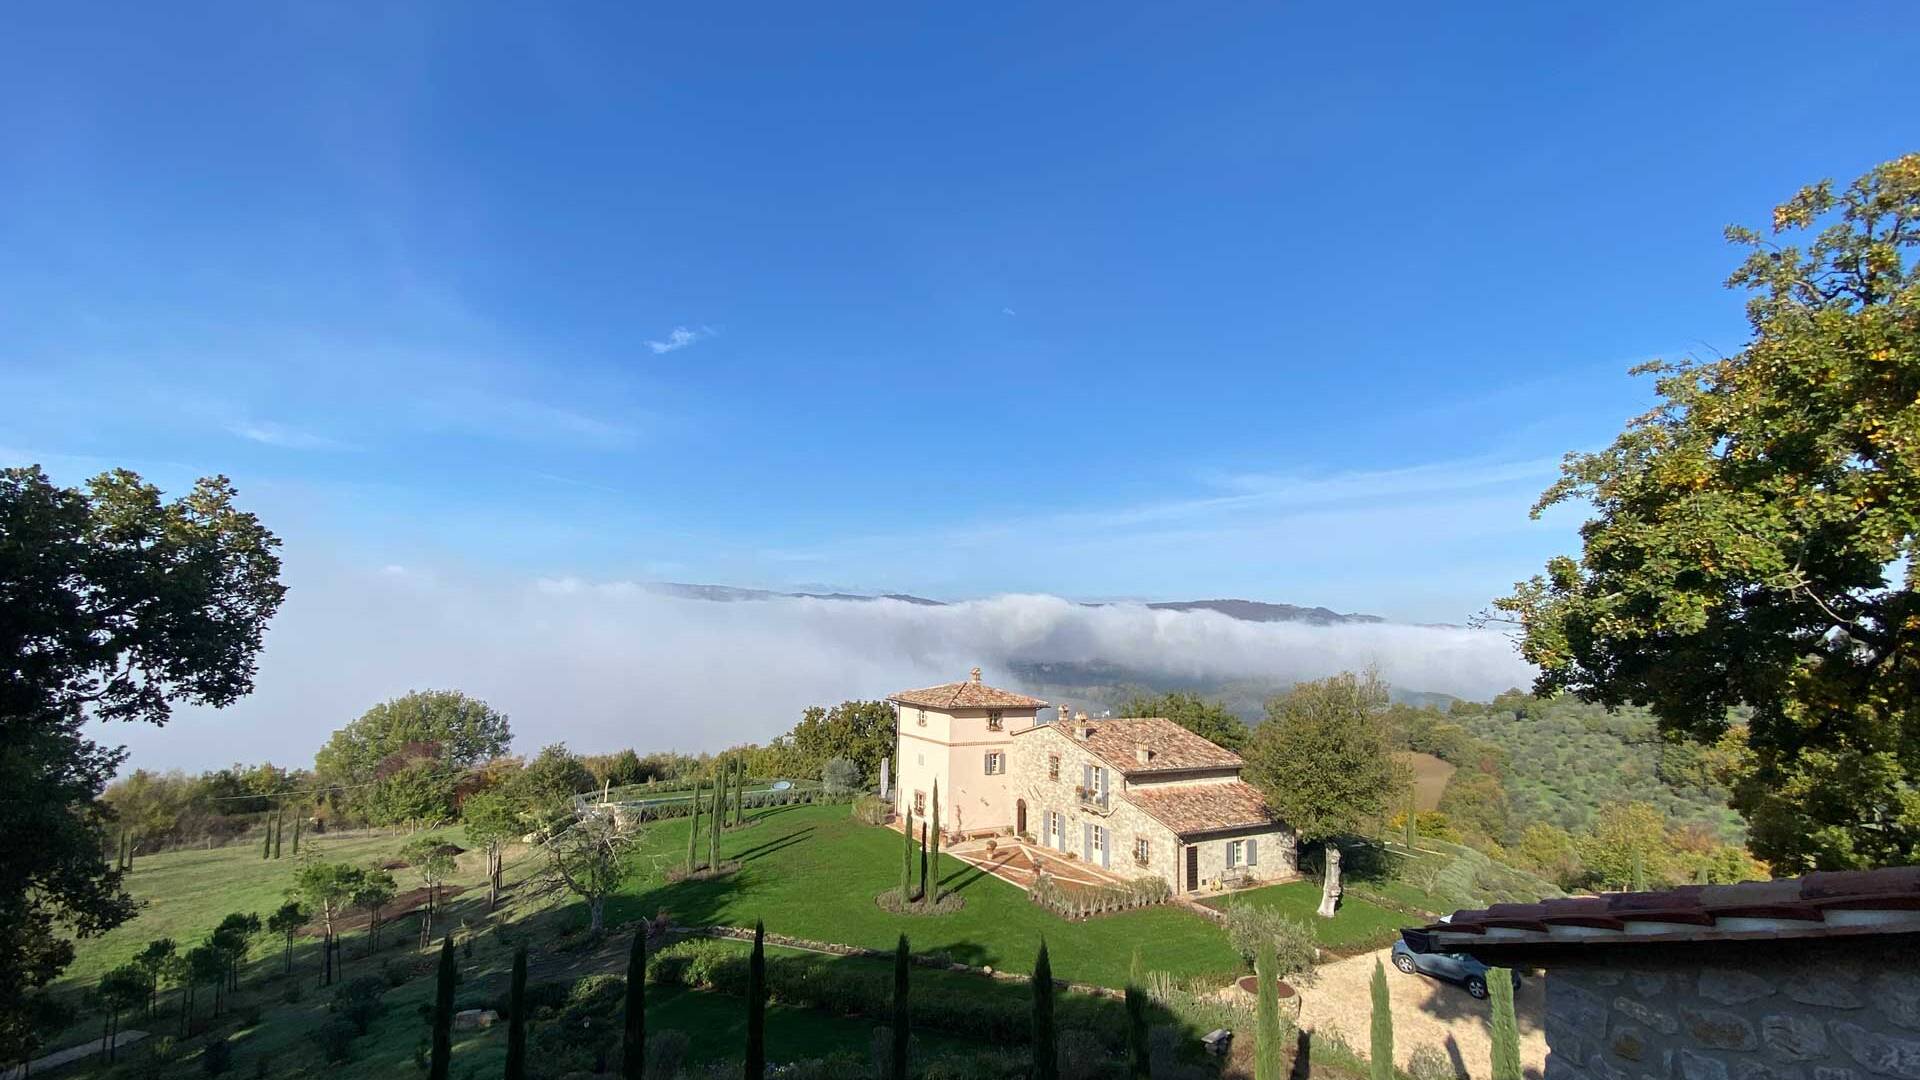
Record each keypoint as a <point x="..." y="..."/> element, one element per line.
<point x="1823" y="905"/>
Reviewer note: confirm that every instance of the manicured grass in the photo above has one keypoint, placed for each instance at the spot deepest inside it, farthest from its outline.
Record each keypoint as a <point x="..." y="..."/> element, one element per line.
<point x="813" y="872"/>
<point x="1358" y="924"/>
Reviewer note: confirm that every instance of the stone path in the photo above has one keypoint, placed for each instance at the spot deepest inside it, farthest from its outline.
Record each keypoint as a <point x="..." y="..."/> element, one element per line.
<point x="1018" y="864"/>
<point x="72" y="1053"/>
<point x="1426" y="1012"/>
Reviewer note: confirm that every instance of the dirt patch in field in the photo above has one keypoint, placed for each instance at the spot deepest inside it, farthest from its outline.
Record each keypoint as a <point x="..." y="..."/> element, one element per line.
<point x="404" y="904"/>
<point x="1430" y="776"/>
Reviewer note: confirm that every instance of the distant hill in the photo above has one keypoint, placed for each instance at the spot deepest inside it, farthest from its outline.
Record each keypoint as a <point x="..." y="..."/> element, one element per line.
<point x="1245" y="610"/>
<point x="1260" y="611"/>
<point x="1099" y="686"/>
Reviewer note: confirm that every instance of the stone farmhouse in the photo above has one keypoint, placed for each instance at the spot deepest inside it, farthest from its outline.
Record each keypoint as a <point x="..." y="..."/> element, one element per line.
<point x="1134" y="796"/>
<point x="1808" y="978"/>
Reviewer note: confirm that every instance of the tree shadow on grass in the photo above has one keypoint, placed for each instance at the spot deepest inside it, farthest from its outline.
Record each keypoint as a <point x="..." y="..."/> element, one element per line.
<point x="958" y="880"/>
<point x="761" y="851"/>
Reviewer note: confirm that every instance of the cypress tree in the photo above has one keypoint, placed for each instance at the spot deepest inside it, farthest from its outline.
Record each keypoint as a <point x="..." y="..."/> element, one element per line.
<point x="279" y="829"/>
<point x="757" y="1005"/>
<point x="1639" y="883"/>
<point x="720" y="795"/>
<point x="298" y="820"/>
<point x="1046" y="1060"/>
<point x="901" y="1019"/>
<point x="713" y="820"/>
<point x="1139" y="1049"/>
<point x="517" y="1018"/>
<point x="923" y="859"/>
<point x="1267" y="1051"/>
<point x="633" y="1041"/>
<point x="934" y="882"/>
<point x="906" y="860"/>
<point x="443" y="1014"/>
<point x="1411" y="815"/>
<point x="740" y="795"/>
<point x="1380" y="1053"/>
<point x="1506" y="1033"/>
<point x="693" y="829"/>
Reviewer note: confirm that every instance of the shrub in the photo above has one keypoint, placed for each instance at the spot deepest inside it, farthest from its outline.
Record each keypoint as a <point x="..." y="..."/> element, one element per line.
<point x="1085" y="901"/>
<point x="249" y="1015"/>
<point x="1081" y="1056"/>
<point x="1294" y="949"/>
<point x="293" y="993"/>
<point x="358" y="1002"/>
<point x="217" y="1057"/>
<point x="335" y="1039"/>
<point x="892" y="902"/>
<point x="871" y="810"/>
<point x="666" y="1052"/>
<point x="397" y="972"/>
<point x="1428" y="1063"/>
<point x="840" y="777"/>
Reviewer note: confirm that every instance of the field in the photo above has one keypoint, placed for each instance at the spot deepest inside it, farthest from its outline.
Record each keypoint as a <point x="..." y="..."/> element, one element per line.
<point x="185" y="894"/>
<point x="1430" y="776"/>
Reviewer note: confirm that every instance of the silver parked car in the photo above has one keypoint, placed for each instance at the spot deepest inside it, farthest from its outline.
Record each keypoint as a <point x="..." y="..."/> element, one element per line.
<point x="1455" y="967"/>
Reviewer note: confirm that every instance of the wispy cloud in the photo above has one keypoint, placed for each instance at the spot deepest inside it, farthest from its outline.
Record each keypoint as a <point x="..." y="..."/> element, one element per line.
<point x="268" y="433"/>
<point x="679" y="338"/>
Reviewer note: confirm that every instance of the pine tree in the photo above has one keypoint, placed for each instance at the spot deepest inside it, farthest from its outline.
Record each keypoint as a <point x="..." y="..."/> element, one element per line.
<point x="693" y="830"/>
<point x="633" y="1041"/>
<point x="1139" y="1048"/>
<point x="933" y="883"/>
<point x="1506" y="1033"/>
<point x="1046" y="1062"/>
<point x="902" y="1030"/>
<point x="443" y="1014"/>
<point x="906" y="860"/>
<point x="757" y="1005"/>
<point x="517" y="1018"/>
<point x="1380" y="1054"/>
<point x="1267" y="1050"/>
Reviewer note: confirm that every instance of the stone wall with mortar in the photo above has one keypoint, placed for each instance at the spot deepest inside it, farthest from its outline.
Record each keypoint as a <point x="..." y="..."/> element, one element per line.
<point x="1829" y="1010"/>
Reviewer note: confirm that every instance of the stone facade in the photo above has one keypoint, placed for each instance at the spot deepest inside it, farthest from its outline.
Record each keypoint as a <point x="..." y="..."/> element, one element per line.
<point x="1035" y="784"/>
<point x="1739" y="1010"/>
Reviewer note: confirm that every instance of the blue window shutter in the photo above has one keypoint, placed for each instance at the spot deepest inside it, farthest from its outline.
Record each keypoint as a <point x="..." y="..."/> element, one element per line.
<point x="1106" y="847"/>
<point x="1253" y="851"/>
<point x="1086" y="777"/>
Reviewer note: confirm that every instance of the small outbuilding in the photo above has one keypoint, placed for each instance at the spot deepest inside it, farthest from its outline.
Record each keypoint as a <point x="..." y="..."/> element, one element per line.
<point x="1808" y="978"/>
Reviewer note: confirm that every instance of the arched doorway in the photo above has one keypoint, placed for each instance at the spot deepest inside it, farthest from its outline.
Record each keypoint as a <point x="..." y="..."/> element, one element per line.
<point x="1020" y="817"/>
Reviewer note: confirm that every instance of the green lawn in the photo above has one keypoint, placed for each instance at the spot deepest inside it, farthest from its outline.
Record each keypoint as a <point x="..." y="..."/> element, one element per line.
<point x="1358" y="925"/>
<point x="813" y="872"/>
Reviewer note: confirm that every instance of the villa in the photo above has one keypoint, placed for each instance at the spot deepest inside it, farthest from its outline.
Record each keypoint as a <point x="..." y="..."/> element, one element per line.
<point x="1134" y="796"/>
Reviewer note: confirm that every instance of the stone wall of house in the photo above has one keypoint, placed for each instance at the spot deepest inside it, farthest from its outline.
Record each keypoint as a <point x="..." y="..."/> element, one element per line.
<point x="1832" y="1010"/>
<point x="1030" y="778"/>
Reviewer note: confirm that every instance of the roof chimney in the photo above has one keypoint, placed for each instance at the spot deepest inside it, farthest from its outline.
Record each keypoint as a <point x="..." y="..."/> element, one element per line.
<point x="1081" y="729"/>
<point x="1141" y="754"/>
<point x="976" y="675"/>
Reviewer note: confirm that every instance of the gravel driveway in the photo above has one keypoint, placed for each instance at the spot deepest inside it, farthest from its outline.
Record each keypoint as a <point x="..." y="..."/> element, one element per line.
<point x="1426" y="1012"/>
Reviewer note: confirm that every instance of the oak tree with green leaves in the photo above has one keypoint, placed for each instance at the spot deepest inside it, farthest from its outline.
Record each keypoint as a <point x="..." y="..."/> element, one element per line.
<point x="1756" y="538"/>
<point x="115" y="603"/>
<point x="1322" y="759"/>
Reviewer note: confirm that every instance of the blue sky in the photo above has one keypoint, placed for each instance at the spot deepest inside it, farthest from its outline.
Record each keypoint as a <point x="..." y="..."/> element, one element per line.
<point x="1286" y="301"/>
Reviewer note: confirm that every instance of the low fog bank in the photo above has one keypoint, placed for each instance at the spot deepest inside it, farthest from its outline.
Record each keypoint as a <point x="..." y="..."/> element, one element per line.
<point x="605" y="665"/>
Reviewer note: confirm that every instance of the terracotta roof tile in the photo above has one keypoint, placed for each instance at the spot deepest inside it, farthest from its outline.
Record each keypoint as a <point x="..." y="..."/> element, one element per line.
<point x="968" y="693"/>
<point x="1170" y="747"/>
<point x="1199" y="808"/>
<point x="1816" y="905"/>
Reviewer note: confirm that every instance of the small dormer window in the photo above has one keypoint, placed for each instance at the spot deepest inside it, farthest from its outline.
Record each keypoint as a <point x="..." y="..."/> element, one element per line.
<point x="994" y="721"/>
